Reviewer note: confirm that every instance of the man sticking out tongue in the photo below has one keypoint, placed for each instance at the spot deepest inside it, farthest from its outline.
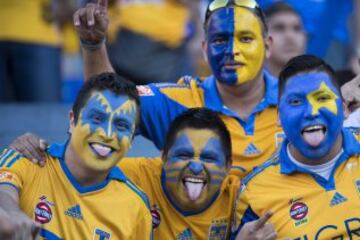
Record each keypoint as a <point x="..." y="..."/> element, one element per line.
<point x="313" y="184"/>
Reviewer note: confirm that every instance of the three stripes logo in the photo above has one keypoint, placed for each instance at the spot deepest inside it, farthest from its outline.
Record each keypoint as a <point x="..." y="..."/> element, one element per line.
<point x="337" y="199"/>
<point x="251" y="150"/>
<point x="9" y="157"/>
<point x="74" y="212"/>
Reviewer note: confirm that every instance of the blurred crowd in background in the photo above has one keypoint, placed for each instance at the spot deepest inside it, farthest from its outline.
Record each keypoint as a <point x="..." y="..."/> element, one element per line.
<point x="157" y="41"/>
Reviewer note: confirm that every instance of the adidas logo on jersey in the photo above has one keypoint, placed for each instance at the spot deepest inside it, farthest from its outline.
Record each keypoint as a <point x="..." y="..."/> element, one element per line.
<point x="251" y="149"/>
<point x="337" y="199"/>
<point x="74" y="212"/>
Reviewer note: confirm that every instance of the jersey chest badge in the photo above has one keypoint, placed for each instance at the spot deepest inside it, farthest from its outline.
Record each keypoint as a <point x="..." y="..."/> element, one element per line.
<point x="101" y="234"/>
<point x="43" y="213"/>
<point x="298" y="213"/>
<point x="218" y="229"/>
<point x="155" y="214"/>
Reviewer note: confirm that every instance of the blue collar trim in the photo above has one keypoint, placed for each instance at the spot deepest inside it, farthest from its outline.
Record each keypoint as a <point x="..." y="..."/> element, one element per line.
<point x="350" y="146"/>
<point x="184" y="213"/>
<point x="58" y="151"/>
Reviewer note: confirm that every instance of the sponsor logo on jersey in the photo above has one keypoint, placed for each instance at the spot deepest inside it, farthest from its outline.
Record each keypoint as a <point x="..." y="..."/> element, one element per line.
<point x="185" y="235"/>
<point x="74" y="212"/>
<point x="337" y="199"/>
<point x="217" y="229"/>
<point x="43" y="212"/>
<point x="100" y="234"/>
<point x="144" y="90"/>
<point x="298" y="212"/>
<point x="156" y="218"/>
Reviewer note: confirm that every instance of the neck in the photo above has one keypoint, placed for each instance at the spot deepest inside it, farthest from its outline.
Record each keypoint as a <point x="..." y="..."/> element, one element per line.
<point x="244" y="97"/>
<point x="274" y="67"/>
<point x="335" y="150"/>
<point x="84" y="176"/>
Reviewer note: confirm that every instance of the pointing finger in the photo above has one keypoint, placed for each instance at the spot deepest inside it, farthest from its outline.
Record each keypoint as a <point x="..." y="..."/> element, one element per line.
<point x="261" y="221"/>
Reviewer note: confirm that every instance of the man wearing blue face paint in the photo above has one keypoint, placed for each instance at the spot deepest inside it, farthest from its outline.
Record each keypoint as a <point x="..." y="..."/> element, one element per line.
<point x="314" y="179"/>
<point x="239" y="89"/>
<point x="80" y="193"/>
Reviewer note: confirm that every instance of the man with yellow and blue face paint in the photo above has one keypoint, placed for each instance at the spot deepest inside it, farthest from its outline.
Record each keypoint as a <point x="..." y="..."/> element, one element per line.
<point x="314" y="179"/>
<point x="190" y="194"/>
<point x="80" y="193"/>
<point x="239" y="89"/>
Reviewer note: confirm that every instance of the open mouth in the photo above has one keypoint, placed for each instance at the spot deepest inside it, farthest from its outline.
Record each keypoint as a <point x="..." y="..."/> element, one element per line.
<point x="101" y="150"/>
<point x="314" y="135"/>
<point x="194" y="186"/>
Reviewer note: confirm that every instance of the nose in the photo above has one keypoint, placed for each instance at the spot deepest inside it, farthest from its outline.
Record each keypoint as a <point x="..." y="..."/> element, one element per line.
<point x="309" y="112"/>
<point x="196" y="167"/>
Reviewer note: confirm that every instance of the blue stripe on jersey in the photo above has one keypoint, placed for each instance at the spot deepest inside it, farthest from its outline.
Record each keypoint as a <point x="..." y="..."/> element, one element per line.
<point x="6" y="156"/>
<point x="248" y="216"/>
<point x="13" y="161"/>
<point x="142" y="195"/>
<point x="10" y="184"/>
<point x="48" y="235"/>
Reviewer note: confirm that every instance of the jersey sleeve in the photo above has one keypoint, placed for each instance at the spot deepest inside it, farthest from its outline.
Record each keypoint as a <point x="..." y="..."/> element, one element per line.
<point x="162" y="103"/>
<point x="144" y="228"/>
<point x="14" y="169"/>
<point x="243" y="212"/>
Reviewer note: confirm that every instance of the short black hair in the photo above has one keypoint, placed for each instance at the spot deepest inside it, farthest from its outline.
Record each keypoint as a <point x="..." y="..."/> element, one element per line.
<point x="257" y="12"/>
<point x="279" y="7"/>
<point x="200" y="118"/>
<point x="303" y="64"/>
<point x="105" y="81"/>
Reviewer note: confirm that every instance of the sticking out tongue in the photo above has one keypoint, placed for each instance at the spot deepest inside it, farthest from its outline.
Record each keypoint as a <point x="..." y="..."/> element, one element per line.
<point x="194" y="190"/>
<point x="101" y="150"/>
<point x="314" y="138"/>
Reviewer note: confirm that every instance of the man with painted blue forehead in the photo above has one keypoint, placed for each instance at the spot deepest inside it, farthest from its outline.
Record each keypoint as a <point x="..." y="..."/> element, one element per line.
<point x="314" y="179"/>
<point x="235" y="48"/>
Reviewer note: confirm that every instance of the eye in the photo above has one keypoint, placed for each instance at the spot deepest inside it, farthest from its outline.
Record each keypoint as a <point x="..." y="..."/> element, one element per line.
<point x="219" y="40"/>
<point x="295" y="102"/>
<point x="323" y="98"/>
<point x="122" y="126"/>
<point x="208" y="157"/>
<point x="97" y="119"/>
<point x="246" y="39"/>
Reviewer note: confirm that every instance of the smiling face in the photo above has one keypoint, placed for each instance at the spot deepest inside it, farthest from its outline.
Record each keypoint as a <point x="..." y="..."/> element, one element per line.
<point x="311" y="113"/>
<point x="104" y="130"/>
<point x="195" y="168"/>
<point x="235" y="45"/>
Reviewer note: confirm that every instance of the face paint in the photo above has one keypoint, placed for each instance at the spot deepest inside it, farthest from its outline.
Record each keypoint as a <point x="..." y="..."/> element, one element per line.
<point x="195" y="168"/>
<point x="104" y="130"/>
<point x="235" y="45"/>
<point x="311" y="113"/>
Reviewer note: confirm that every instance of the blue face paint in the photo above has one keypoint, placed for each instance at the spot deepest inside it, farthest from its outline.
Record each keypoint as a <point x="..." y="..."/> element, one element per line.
<point x="235" y="45"/>
<point x="311" y="113"/>
<point x="195" y="168"/>
<point x="104" y="129"/>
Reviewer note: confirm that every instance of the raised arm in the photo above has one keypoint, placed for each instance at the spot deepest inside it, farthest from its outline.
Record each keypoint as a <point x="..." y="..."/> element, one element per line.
<point x="14" y="224"/>
<point x="91" y="23"/>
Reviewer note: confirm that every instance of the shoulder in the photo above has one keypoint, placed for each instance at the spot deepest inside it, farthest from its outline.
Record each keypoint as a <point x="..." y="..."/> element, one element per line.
<point x="10" y="157"/>
<point x="138" y="193"/>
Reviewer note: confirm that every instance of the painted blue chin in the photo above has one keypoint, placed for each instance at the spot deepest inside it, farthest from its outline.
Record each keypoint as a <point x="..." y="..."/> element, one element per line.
<point x="228" y="77"/>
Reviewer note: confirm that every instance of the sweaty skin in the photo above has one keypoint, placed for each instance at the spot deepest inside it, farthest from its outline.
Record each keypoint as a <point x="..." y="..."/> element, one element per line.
<point x="194" y="169"/>
<point x="104" y="130"/>
<point x="236" y="47"/>
<point x="312" y="113"/>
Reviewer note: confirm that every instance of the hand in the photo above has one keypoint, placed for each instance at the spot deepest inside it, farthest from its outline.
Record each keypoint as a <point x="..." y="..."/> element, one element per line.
<point x="91" y="22"/>
<point x="258" y="229"/>
<point x="32" y="147"/>
<point x="17" y="226"/>
<point x="351" y="93"/>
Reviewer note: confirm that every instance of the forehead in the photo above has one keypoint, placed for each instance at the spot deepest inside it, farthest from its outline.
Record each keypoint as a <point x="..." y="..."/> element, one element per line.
<point x="195" y="136"/>
<point x="308" y="82"/>
<point x="285" y="18"/>
<point x="225" y="19"/>
<point x="106" y="100"/>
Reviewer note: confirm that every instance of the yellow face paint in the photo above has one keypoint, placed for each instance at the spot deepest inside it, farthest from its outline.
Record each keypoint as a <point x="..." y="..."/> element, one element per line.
<point x="104" y="130"/>
<point x="248" y="45"/>
<point x="323" y="97"/>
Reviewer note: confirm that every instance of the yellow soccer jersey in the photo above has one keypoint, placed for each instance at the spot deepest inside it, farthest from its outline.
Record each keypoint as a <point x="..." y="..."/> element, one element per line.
<point x="253" y="141"/>
<point x="305" y="206"/>
<point x="169" y="222"/>
<point x="165" y="21"/>
<point x="22" y="21"/>
<point x="114" y="209"/>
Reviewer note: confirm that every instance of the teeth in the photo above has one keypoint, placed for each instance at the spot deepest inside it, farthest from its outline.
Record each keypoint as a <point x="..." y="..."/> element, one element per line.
<point x="101" y="150"/>
<point x="313" y="128"/>
<point x="194" y="180"/>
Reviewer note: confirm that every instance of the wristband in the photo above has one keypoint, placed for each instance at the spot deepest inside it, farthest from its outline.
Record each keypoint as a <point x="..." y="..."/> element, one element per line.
<point x="88" y="45"/>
